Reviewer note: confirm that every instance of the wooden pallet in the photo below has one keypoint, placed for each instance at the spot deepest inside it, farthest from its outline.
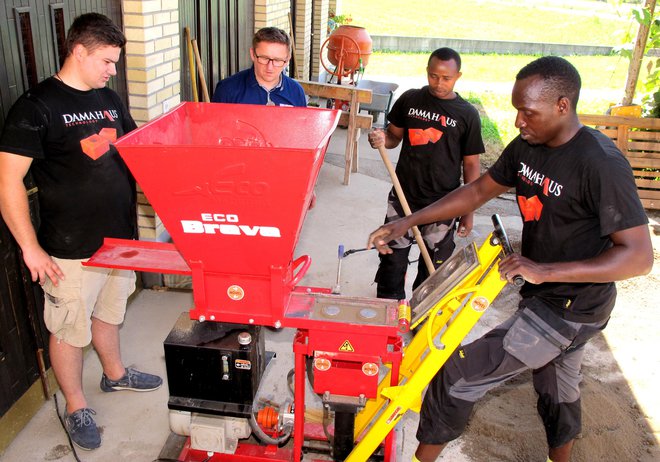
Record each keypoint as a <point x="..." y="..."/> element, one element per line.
<point x="639" y="140"/>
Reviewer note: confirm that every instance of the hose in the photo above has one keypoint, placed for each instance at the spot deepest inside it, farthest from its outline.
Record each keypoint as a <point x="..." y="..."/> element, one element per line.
<point x="256" y="428"/>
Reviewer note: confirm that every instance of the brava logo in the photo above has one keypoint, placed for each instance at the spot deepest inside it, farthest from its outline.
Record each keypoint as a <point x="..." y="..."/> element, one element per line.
<point x="226" y="224"/>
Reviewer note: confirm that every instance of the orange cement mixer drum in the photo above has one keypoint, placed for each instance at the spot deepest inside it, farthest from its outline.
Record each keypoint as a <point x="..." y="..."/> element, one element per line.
<point x="348" y="45"/>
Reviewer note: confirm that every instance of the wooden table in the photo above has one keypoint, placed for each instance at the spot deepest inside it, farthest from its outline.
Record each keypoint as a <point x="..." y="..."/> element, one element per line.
<point x="352" y="119"/>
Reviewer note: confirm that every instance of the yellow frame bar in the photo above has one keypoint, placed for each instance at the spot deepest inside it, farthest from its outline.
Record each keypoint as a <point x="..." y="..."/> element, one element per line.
<point x="456" y="313"/>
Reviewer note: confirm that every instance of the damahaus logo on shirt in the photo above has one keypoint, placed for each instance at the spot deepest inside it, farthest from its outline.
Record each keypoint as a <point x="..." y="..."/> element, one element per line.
<point x="532" y="177"/>
<point x="429" y="116"/>
<point x="84" y="118"/>
<point x="419" y="136"/>
<point x="97" y="145"/>
<point x="532" y="207"/>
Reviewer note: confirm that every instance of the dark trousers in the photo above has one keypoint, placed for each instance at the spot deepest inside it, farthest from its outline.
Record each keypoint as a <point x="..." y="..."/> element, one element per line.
<point x="391" y="274"/>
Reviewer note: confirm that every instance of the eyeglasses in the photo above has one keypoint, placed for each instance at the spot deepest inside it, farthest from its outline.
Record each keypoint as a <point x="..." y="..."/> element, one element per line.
<point x="277" y="62"/>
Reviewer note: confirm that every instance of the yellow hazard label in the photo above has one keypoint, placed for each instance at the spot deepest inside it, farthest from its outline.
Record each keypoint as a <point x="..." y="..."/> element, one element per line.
<point x="346" y="346"/>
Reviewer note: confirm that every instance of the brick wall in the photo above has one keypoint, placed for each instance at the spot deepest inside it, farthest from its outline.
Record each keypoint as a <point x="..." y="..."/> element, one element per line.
<point x="153" y="75"/>
<point x="303" y="36"/>
<point x="152" y="56"/>
<point x="320" y="20"/>
<point x="272" y="13"/>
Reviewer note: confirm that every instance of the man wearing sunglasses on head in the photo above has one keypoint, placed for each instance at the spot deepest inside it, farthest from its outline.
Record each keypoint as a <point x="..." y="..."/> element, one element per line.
<point x="264" y="83"/>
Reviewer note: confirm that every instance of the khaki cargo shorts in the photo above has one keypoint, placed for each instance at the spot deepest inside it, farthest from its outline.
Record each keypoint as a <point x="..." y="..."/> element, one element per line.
<point x="85" y="292"/>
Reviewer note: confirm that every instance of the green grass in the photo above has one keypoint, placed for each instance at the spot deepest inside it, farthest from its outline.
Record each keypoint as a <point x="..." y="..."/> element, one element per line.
<point x="562" y="21"/>
<point x="606" y="72"/>
<point x="487" y="80"/>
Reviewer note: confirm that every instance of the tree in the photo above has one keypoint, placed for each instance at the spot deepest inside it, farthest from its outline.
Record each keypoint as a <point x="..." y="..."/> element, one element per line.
<point x="648" y="37"/>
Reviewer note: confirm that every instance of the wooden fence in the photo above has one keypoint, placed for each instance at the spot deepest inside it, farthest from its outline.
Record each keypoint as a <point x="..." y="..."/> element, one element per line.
<point x="639" y="140"/>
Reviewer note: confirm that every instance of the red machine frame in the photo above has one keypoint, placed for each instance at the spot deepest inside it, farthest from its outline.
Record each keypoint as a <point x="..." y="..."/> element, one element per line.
<point x="232" y="185"/>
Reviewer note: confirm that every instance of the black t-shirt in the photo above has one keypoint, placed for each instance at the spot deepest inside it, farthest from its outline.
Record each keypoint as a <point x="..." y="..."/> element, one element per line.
<point x="438" y="133"/>
<point x="571" y="199"/>
<point x="86" y="192"/>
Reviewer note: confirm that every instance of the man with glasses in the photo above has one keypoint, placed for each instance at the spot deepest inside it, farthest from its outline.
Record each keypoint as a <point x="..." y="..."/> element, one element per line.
<point x="264" y="83"/>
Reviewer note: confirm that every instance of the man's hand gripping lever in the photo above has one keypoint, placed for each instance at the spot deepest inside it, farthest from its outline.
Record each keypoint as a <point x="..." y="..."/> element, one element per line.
<point x="500" y="237"/>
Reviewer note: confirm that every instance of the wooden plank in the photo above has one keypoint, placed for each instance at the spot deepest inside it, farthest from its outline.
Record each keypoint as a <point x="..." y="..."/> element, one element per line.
<point x="352" y="119"/>
<point x="355" y="151"/>
<point x="644" y="163"/>
<point x="649" y="194"/>
<point x="610" y="133"/>
<point x="622" y="138"/>
<point x="644" y="135"/>
<point x="350" y="136"/>
<point x="609" y="121"/>
<point x="648" y="174"/>
<point x="650" y="204"/>
<point x="647" y="146"/>
<point x="648" y="184"/>
<point x="362" y="121"/>
<point x="328" y="90"/>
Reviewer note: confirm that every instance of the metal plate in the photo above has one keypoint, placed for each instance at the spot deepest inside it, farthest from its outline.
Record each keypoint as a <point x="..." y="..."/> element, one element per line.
<point x="354" y="310"/>
<point x="442" y="281"/>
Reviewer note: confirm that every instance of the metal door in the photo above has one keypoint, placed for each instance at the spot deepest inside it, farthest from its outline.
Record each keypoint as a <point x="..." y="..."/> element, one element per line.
<point x="32" y="34"/>
<point x="223" y="30"/>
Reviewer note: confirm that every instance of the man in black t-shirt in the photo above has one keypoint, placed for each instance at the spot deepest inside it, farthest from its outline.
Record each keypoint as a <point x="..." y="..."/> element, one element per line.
<point x="441" y="134"/>
<point x="63" y="131"/>
<point x="583" y="228"/>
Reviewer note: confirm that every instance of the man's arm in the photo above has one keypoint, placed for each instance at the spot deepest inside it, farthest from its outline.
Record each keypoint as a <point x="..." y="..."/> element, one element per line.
<point x="457" y="203"/>
<point x="389" y="138"/>
<point x="471" y="171"/>
<point x="630" y="256"/>
<point x="16" y="213"/>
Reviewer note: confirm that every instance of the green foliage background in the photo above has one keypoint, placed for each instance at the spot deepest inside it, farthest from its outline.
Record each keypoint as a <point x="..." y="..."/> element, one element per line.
<point x="487" y="78"/>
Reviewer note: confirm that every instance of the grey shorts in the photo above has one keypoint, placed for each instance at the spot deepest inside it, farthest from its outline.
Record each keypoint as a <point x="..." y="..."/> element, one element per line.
<point x="533" y="338"/>
<point x="85" y="292"/>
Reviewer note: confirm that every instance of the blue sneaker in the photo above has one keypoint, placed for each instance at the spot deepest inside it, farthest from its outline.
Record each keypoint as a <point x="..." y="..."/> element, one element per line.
<point x="132" y="380"/>
<point x="82" y="429"/>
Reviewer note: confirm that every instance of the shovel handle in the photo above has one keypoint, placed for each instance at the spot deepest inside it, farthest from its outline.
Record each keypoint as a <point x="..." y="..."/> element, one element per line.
<point x="406" y="209"/>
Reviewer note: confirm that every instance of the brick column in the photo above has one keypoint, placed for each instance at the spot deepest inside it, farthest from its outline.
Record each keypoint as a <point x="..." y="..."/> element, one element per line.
<point x="320" y="21"/>
<point x="153" y="75"/>
<point x="303" y="36"/>
<point x="152" y="56"/>
<point x="271" y="13"/>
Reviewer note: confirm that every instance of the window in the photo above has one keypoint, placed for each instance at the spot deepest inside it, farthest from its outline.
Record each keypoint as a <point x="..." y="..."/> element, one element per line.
<point x="59" y="31"/>
<point x="26" y="47"/>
